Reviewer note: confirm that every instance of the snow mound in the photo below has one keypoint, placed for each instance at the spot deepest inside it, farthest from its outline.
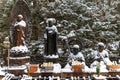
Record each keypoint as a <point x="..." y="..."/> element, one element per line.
<point x="18" y="49"/>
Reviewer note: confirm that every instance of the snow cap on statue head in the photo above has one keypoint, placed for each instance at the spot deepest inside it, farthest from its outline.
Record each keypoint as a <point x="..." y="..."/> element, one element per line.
<point x="7" y="38"/>
<point x="101" y="44"/>
<point x="76" y="46"/>
<point x="53" y="20"/>
<point x="20" y="16"/>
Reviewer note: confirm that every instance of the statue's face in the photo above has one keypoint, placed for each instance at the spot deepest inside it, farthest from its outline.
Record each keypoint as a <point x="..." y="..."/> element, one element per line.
<point x="50" y="23"/>
<point x="100" y="48"/>
<point x="19" y="18"/>
<point x="75" y="51"/>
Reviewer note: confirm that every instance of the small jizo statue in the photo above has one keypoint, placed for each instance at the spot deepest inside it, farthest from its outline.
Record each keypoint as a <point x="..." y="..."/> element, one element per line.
<point x="51" y="38"/>
<point x="76" y="55"/>
<point x="6" y="43"/>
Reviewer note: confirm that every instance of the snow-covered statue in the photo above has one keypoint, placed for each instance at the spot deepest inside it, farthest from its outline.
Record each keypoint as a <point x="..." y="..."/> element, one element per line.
<point x="51" y="37"/>
<point x="19" y="36"/>
<point x="76" y="55"/>
<point x="100" y="55"/>
<point x="19" y="47"/>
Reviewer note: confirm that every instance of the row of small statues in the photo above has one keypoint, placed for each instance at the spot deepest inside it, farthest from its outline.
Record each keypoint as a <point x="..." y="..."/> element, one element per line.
<point x="50" y="37"/>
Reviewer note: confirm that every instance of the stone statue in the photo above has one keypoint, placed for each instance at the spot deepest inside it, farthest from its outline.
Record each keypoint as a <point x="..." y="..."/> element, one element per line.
<point x="18" y="33"/>
<point x="51" y="37"/>
<point x="19" y="48"/>
<point x="76" y="55"/>
<point x="5" y="53"/>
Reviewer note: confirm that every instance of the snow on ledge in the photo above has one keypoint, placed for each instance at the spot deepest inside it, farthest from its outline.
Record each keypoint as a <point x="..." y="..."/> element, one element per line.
<point x="22" y="67"/>
<point x="22" y="49"/>
<point x="52" y="56"/>
<point x="20" y="57"/>
<point x="17" y="68"/>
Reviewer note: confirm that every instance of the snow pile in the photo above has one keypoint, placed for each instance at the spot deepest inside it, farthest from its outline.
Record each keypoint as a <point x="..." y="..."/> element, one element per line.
<point x="21" y="23"/>
<point x="57" y="68"/>
<point x="17" y="49"/>
<point x="86" y="68"/>
<point x="67" y="68"/>
<point x="102" y="67"/>
<point x="1" y="72"/>
<point x="99" y="77"/>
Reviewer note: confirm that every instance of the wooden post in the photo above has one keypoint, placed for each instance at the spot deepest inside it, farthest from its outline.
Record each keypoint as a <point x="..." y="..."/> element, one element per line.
<point x="8" y="57"/>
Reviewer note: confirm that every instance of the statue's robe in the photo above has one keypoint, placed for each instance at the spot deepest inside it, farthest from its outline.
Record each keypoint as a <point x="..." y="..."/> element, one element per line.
<point x="19" y="36"/>
<point x="51" y="41"/>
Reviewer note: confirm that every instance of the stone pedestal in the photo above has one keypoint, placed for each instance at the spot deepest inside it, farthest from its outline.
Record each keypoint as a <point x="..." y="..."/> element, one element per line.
<point x="54" y="60"/>
<point x="18" y="61"/>
<point x="5" y="55"/>
<point x="16" y="71"/>
<point x="17" y="65"/>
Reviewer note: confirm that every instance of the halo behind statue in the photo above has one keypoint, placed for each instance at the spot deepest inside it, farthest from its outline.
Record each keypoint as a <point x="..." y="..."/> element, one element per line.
<point x="75" y="41"/>
<point x="21" y="7"/>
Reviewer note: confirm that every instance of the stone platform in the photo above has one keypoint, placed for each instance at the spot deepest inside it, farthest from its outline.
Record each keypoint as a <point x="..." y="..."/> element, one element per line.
<point x="54" y="60"/>
<point x="51" y="58"/>
<point x="18" y="61"/>
<point x="16" y="70"/>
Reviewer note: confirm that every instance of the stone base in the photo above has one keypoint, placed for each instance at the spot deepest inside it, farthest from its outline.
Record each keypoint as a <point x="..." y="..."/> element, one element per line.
<point x="51" y="58"/>
<point x="18" y="61"/>
<point x="4" y="56"/>
<point x="16" y="70"/>
<point x="54" y="60"/>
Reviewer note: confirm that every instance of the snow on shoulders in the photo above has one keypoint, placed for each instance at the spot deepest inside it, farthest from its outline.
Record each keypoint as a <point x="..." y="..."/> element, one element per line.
<point x="21" y="23"/>
<point x="53" y="28"/>
<point x="79" y="54"/>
